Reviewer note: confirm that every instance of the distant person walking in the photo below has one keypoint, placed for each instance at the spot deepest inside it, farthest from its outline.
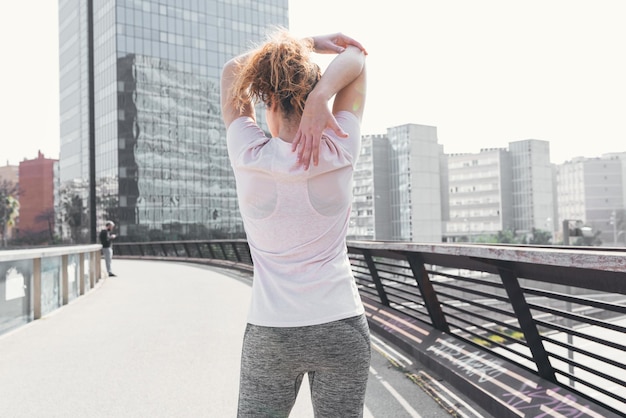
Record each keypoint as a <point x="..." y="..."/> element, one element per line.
<point x="106" y="236"/>
<point x="306" y="315"/>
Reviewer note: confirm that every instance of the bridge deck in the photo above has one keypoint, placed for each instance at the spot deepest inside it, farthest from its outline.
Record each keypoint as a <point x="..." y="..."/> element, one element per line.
<point x="163" y="340"/>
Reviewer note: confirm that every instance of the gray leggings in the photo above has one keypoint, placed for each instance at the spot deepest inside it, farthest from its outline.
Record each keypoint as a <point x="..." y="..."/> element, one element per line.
<point x="336" y="356"/>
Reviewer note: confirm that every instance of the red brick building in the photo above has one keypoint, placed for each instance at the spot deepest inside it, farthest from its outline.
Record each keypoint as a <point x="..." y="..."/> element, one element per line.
<point x="37" y="191"/>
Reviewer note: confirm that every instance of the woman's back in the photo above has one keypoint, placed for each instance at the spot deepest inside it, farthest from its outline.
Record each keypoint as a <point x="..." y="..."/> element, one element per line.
<point x="296" y="221"/>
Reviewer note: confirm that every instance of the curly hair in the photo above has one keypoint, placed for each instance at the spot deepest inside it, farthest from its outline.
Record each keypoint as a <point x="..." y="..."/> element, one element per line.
<point x="280" y="71"/>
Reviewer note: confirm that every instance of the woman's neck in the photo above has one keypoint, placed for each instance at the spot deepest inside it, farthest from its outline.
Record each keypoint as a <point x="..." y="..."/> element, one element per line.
<point x="287" y="130"/>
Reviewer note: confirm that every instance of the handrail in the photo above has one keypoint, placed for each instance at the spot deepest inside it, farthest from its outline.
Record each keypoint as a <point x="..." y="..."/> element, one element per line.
<point x="34" y="282"/>
<point x="556" y="313"/>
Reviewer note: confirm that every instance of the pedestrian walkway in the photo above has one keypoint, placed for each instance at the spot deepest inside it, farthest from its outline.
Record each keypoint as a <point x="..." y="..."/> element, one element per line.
<point x="161" y="339"/>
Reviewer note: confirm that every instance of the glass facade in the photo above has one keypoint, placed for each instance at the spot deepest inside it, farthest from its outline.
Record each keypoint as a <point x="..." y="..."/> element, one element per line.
<point x="162" y="170"/>
<point x="401" y="226"/>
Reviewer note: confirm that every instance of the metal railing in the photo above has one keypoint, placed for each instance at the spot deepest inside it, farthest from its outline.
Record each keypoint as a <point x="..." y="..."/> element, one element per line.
<point x="557" y="313"/>
<point x="35" y="282"/>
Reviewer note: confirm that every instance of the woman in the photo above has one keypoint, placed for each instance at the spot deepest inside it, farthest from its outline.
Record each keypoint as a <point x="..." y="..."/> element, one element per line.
<point x="306" y="315"/>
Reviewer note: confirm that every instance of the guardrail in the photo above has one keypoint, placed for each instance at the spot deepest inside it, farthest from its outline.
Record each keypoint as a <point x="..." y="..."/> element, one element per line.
<point x="35" y="282"/>
<point x="533" y="331"/>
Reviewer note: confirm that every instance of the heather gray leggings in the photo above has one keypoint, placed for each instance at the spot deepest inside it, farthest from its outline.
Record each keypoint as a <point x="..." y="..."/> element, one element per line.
<point x="336" y="356"/>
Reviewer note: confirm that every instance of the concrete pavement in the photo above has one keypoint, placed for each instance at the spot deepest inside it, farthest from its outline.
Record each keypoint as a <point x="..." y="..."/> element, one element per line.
<point x="161" y="339"/>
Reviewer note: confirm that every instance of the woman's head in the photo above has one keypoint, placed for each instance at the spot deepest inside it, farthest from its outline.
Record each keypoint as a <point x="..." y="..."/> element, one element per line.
<point x="279" y="73"/>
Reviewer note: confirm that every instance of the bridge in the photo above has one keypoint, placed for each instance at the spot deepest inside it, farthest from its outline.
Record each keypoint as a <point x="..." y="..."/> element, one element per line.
<point x="462" y="330"/>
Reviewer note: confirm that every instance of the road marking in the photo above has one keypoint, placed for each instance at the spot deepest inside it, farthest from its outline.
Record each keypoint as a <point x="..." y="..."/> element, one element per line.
<point x="389" y="352"/>
<point x="403" y="402"/>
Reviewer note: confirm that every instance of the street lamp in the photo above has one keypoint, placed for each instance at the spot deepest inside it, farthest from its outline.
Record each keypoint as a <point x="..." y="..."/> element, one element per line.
<point x="613" y="221"/>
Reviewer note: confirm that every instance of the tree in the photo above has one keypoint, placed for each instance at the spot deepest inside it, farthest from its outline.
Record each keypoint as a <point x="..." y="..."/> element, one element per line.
<point x="73" y="213"/>
<point x="510" y="237"/>
<point x="9" y="208"/>
<point x="48" y="216"/>
<point x="540" y="237"/>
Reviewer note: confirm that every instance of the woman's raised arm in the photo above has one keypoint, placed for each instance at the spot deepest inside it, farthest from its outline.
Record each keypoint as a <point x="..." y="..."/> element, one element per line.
<point x="230" y="110"/>
<point x="343" y="79"/>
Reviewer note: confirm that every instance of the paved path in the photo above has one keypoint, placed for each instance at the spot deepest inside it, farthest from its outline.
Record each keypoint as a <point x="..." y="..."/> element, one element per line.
<point x="160" y="340"/>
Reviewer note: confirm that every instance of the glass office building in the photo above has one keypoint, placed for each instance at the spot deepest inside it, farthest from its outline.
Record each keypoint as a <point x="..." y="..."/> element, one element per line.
<point x="162" y="170"/>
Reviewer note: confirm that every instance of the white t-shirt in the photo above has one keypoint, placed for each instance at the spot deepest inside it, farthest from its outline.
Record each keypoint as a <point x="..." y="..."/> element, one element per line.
<point x="296" y="222"/>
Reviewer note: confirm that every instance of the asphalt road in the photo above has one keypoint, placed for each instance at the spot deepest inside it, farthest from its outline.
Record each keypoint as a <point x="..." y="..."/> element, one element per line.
<point x="163" y="339"/>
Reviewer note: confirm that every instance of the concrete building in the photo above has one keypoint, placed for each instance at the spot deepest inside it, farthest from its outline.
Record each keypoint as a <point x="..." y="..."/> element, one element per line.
<point x="415" y="183"/>
<point x="480" y="190"/>
<point x="38" y="194"/>
<point x="397" y="193"/>
<point x="533" y="187"/>
<point x="622" y="157"/>
<point x="9" y="173"/>
<point x="591" y="190"/>
<point x="371" y="216"/>
<point x="160" y="152"/>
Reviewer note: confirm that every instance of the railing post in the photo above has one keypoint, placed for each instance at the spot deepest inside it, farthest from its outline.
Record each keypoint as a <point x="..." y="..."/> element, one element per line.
<point x="81" y="272"/>
<point x="428" y="292"/>
<point x="224" y="254"/>
<point x="64" y="279"/>
<point x="92" y="269"/>
<point x="37" y="288"/>
<point x="234" y="245"/>
<point x="526" y="322"/>
<point x="211" y="252"/>
<point x="199" y="248"/>
<point x="375" y="277"/>
<point x="98" y="265"/>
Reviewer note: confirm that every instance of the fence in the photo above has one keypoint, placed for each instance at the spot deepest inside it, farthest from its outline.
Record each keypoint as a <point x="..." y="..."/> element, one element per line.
<point x="35" y="282"/>
<point x="558" y="314"/>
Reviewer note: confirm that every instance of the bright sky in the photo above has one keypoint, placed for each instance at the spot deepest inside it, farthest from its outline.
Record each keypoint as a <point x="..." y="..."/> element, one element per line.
<point x="484" y="72"/>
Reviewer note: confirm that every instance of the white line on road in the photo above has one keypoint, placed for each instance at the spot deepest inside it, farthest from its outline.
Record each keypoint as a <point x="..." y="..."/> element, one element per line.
<point x="388" y="351"/>
<point x="412" y="412"/>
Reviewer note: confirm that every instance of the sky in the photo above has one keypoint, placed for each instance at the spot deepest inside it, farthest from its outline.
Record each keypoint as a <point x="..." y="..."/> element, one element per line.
<point x="483" y="72"/>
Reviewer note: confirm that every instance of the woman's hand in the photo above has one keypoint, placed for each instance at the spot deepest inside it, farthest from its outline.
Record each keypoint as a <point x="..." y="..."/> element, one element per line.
<point x="315" y="118"/>
<point x="334" y="43"/>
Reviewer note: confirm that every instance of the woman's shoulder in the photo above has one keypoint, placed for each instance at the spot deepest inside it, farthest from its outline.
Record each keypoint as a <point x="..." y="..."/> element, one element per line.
<point x="244" y="133"/>
<point x="241" y="122"/>
<point x="243" y="129"/>
<point x="351" y="124"/>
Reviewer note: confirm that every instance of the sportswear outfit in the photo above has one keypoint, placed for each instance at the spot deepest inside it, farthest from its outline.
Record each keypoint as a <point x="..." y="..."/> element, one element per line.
<point x="305" y="314"/>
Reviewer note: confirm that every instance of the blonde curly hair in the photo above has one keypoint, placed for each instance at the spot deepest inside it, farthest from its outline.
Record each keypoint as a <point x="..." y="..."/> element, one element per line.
<point x="279" y="71"/>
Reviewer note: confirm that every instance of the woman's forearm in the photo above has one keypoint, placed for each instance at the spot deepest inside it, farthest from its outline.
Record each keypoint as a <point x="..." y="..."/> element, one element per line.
<point x="342" y="70"/>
